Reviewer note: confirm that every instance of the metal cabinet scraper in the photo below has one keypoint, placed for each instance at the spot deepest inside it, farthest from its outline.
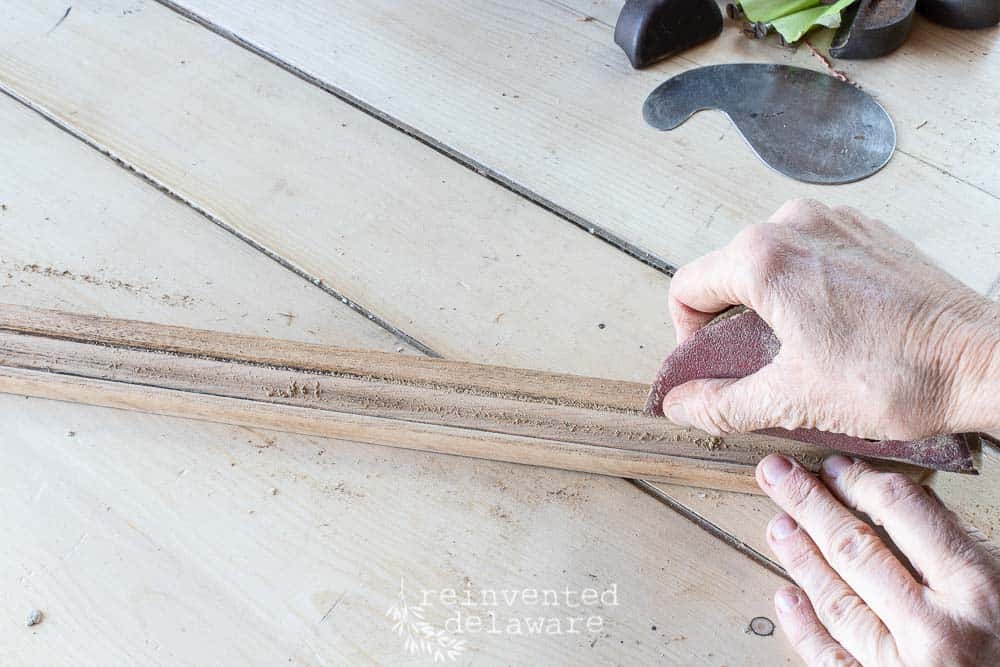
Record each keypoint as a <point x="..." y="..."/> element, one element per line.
<point x="801" y="123"/>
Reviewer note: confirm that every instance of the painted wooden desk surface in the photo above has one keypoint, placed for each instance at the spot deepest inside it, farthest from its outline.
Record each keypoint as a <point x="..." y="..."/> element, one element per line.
<point x="465" y="179"/>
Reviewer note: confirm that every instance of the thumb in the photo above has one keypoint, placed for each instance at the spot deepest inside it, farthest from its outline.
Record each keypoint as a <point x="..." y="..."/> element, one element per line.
<point x="735" y="405"/>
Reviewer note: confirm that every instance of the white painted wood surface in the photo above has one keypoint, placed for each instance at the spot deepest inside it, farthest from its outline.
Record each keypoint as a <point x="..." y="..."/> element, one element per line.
<point x="149" y="540"/>
<point x="456" y="261"/>
<point x="81" y="234"/>
<point x="466" y="267"/>
<point x="179" y="570"/>
<point x="937" y="190"/>
<point x="545" y="99"/>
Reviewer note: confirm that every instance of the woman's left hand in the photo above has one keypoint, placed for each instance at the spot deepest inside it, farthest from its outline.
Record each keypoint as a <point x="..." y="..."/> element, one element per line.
<point x="856" y="603"/>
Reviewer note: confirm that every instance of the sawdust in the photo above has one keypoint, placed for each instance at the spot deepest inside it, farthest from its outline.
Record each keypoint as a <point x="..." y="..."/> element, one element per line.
<point x="295" y="390"/>
<point x="466" y="386"/>
<point x="313" y="390"/>
<point x="440" y="410"/>
<point x="437" y="386"/>
<point x="567" y="495"/>
<point x="341" y="488"/>
<point x="174" y="300"/>
<point x="498" y="512"/>
<point x="486" y="413"/>
<point x="712" y="443"/>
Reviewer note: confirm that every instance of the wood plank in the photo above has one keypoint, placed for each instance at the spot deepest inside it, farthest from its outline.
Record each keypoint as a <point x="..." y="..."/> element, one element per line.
<point x="975" y="502"/>
<point x="147" y="539"/>
<point x="531" y="70"/>
<point x="458" y="262"/>
<point x="532" y="94"/>
<point x="71" y="240"/>
<point x="490" y="412"/>
<point x="503" y="501"/>
<point x="475" y="279"/>
<point x="449" y="289"/>
<point x="271" y="570"/>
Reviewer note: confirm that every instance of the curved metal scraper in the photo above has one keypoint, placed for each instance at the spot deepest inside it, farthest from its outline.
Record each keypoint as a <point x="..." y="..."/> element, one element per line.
<point x="801" y="123"/>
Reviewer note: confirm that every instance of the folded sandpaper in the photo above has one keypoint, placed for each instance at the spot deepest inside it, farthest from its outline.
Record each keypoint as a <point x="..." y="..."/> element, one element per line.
<point x="736" y="346"/>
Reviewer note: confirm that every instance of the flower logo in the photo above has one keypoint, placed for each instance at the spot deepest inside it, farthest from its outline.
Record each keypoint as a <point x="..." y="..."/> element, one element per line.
<point x="419" y="636"/>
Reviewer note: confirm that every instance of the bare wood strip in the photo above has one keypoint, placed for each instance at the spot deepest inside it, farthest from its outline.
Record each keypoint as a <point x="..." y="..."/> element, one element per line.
<point x="474" y="410"/>
<point x="557" y="387"/>
<point x="377" y="431"/>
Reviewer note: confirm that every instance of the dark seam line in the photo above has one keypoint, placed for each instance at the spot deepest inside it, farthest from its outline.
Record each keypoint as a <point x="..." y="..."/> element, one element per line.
<point x="711" y="528"/>
<point x="947" y="173"/>
<point x="164" y="189"/>
<point x="508" y="184"/>
<point x="466" y="161"/>
<point x="608" y="237"/>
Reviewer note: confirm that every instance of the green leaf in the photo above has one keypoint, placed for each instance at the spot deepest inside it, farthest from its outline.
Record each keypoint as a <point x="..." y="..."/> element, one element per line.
<point x="765" y="11"/>
<point x="793" y="26"/>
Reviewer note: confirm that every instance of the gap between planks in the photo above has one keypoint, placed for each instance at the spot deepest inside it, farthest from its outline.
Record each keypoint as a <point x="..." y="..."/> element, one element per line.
<point x="689" y="514"/>
<point x="165" y="189"/>
<point x="471" y="164"/>
<point x="440" y="147"/>
<point x="711" y="528"/>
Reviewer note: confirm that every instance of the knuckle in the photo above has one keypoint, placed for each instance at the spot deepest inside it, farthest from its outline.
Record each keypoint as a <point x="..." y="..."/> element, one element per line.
<point x="800" y="559"/>
<point x="849" y="216"/>
<point x="852" y="542"/>
<point x="680" y="276"/>
<point x="967" y="551"/>
<point x="799" y="210"/>
<point x="891" y="490"/>
<point x="853" y="219"/>
<point x="846" y="211"/>
<point x="750" y="237"/>
<point x="834" y="655"/>
<point x="838" y="607"/>
<point x="763" y="247"/>
<point x="766" y="267"/>
<point x="802" y="491"/>
<point x="715" y="410"/>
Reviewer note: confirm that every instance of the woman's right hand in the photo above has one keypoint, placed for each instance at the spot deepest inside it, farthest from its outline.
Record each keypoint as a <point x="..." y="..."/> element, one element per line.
<point x="876" y="340"/>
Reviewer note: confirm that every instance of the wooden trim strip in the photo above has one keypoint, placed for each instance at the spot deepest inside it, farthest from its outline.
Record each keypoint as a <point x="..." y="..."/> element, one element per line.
<point x="480" y="411"/>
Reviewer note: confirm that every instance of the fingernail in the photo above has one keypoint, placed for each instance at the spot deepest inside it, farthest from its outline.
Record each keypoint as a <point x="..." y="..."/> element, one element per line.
<point x="783" y="526"/>
<point x="786" y="600"/>
<point x="775" y="467"/>
<point x="836" y="464"/>
<point x="678" y="415"/>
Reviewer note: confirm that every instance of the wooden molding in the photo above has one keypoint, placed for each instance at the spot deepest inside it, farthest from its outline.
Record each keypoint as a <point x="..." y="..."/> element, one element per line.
<point x="450" y="407"/>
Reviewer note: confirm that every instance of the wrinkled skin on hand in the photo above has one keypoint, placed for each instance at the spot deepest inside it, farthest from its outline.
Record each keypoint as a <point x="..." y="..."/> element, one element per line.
<point x="856" y="603"/>
<point x="876" y="340"/>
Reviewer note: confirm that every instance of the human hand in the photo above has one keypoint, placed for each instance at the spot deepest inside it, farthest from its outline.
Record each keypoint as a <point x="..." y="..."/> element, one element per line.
<point x="876" y="341"/>
<point x="856" y="602"/>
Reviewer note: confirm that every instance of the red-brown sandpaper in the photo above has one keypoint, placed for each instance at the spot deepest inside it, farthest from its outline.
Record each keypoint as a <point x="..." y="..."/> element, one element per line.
<point x="737" y="346"/>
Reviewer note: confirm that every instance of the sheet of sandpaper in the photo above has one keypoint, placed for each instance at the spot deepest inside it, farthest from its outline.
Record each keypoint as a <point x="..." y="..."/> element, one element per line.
<point x="736" y="346"/>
